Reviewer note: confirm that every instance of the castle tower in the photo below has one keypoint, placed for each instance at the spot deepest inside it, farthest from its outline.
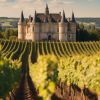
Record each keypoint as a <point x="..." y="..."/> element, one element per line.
<point x="62" y="28"/>
<point x="73" y="28"/>
<point x="47" y="10"/>
<point x="35" y="29"/>
<point x="21" y="27"/>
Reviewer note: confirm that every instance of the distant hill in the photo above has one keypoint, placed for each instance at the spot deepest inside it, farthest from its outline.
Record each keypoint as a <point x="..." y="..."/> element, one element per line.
<point x="8" y="22"/>
<point x="89" y="20"/>
<point x="12" y="22"/>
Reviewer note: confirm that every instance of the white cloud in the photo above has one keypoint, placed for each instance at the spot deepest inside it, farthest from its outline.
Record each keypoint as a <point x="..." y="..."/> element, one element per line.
<point x="14" y="7"/>
<point x="91" y="0"/>
<point x="3" y="0"/>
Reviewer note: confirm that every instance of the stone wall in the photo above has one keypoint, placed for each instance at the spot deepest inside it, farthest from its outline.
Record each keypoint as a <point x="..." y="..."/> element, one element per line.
<point x="41" y="31"/>
<point x="21" y="30"/>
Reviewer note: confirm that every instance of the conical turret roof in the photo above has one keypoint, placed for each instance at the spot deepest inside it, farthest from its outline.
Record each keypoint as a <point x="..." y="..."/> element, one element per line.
<point x="22" y="17"/>
<point x="34" y="19"/>
<point x="73" y="17"/>
<point x="47" y="9"/>
<point x="63" y="17"/>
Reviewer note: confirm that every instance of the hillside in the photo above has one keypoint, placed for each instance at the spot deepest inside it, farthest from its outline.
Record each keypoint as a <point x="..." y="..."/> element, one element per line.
<point x="12" y="22"/>
<point x="89" y="20"/>
<point x="8" y="22"/>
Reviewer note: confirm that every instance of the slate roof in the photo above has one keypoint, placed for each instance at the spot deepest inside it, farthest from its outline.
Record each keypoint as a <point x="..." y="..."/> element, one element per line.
<point x="41" y="17"/>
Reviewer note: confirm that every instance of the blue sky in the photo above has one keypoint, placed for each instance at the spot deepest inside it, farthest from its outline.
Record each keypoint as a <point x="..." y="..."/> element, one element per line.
<point x="81" y="8"/>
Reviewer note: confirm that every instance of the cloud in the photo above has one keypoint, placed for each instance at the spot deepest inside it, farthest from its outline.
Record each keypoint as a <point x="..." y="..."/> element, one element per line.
<point x="29" y="6"/>
<point x="3" y="0"/>
<point x="6" y="3"/>
<point x="14" y="7"/>
<point x="91" y="0"/>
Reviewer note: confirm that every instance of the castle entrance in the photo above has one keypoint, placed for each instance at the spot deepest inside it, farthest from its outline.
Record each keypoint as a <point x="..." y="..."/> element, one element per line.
<point x="49" y="38"/>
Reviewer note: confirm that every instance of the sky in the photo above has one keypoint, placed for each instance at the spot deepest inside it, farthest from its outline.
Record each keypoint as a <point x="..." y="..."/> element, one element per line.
<point x="81" y="8"/>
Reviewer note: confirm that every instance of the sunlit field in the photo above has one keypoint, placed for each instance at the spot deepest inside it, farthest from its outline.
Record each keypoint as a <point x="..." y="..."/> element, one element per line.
<point x="49" y="70"/>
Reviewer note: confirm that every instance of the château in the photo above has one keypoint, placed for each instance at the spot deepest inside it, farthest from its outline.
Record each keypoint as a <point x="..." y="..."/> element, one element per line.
<point x="47" y="27"/>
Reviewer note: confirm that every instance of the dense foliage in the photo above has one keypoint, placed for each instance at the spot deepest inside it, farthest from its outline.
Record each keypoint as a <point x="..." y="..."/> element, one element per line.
<point x="87" y="34"/>
<point x="9" y="76"/>
<point x="83" y="71"/>
<point x="44" y="75"/>
<point x="79" y="66"/>
<point x="8" y="33"/>
<point x="49" y="63"/>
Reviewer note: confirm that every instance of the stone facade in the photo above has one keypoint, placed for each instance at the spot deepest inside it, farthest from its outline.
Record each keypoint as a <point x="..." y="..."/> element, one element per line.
<point x="47" y="26"/>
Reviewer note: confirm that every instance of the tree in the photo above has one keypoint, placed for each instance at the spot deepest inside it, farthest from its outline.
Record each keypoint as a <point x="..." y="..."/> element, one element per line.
<point x="88" y="35"/>
<point x="7" y="33"/>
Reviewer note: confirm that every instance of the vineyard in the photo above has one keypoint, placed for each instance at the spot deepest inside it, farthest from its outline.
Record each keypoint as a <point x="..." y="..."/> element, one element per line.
<point x="49" y="70"/>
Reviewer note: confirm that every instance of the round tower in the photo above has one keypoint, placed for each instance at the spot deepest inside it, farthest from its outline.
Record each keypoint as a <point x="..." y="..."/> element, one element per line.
<point x="21" y="27"/>
<point x="62" y="28"/>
